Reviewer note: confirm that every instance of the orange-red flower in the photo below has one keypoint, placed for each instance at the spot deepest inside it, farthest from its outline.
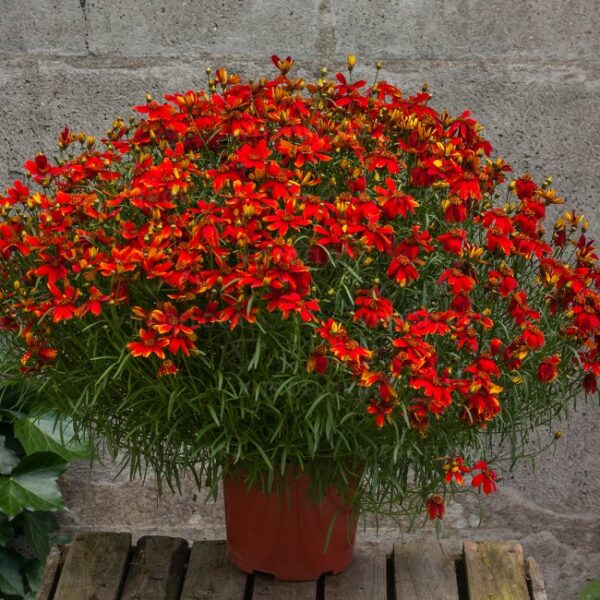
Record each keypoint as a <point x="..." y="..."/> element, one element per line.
<point x="453" y="240"/>
<point x="394" y="202"/>
<point x="149" y="345"/>
<point x="548" y="369"/>
<point x="253" y="157"/>
<point x="318" y="362"/>
<point x="455" y="468"/>
<point x="373" y="309"/>
<point x="381" y="410"/>
<point x="436" y="507"/>
<point x="485" y="479"/>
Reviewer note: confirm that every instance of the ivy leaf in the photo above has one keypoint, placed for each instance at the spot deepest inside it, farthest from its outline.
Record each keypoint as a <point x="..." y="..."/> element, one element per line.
<point x="11" y="581"/>
<point x="6" y="530"/>
<point x="591" y="592"/>
<point x="34" y="569"/>
<point x="8" y="458"/>
<point x="32" y="485"/>
<point x="38" y="527"/>
<point x="46" y="433"/>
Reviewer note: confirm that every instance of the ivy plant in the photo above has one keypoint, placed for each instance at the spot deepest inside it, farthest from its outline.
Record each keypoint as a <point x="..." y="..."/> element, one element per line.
<point x="34" y="451"/>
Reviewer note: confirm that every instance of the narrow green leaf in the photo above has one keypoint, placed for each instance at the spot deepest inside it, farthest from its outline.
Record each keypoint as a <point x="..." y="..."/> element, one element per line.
<point x="253" y="364"/>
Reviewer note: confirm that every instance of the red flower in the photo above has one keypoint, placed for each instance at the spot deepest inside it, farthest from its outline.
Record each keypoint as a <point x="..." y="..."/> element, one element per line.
<point x="293" y="302"/>
<point x="497" y="239"/>
<point x="253" y="157"/>
<point x="350" y="351"/>
<point x="374" y="310"/>
<point x="520" y="310"/>
<point x="312" y="150"/>
<point x="504" y="280"/>
<point x="525" y="186"/>
<point x="548" y="369"/>
<point x="317" y="255"/>
<point x="485" y="479"/>
<point x="62" y="306"/>
<point x="283" y="65"/>
<point x="318" y="362"/>
<point x="590" y="383"/>
<point x="436" y="507"/>
<point x="466" y="186"/>
<point x="383" y="159"/>
<point x="424" y="322"/>
<point x="455" y="210"/>
<point x="438" y="389"/>
<point x="532" y="336"/>
<point x="403" y="270"/>
<point x="457" y="280"/>
<point x="167" y="368"/>
<point x="149" y="345"/>
<point x="281" y="220"/>
<point x="453" y="241"/>
<point x="393" y="201"/>
<point x="168" y="321"/>
<point x="455" y="468"/>
<point x="381" y="410"/>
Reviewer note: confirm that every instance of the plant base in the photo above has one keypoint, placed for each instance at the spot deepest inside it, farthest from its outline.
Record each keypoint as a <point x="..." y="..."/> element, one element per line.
<point x="284" y="534"/>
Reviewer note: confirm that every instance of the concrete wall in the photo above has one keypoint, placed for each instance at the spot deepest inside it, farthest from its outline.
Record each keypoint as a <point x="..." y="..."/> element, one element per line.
<point x="527" y="69"/>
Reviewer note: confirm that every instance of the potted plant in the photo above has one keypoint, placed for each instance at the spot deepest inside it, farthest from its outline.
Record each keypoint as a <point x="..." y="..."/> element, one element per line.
<point x="319" y="290"/>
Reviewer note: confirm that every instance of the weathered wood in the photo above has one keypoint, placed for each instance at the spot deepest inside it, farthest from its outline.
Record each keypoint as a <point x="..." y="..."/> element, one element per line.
<point x="366" y="579"/>
<point x="495" y="570"/>
<point x="156" y="569"/>
<point x="51" y="573"/>
<point x="267" y="588"/>
<point x="94" y="567"/>
<point x="536" y="580"/>
<point x="210" y="575"/>
<point x="424" y="571"/>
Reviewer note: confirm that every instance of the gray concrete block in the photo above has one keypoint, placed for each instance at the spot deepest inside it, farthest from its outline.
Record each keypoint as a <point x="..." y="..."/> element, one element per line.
<point x="43" y="26"/>
<point x="174" y="28"/>
<point x="468" y="29"/>
<point x="186" y="28"/>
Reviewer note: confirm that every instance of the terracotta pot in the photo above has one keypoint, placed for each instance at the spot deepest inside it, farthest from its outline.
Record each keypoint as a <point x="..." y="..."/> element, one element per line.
<point x="285" y="534"/>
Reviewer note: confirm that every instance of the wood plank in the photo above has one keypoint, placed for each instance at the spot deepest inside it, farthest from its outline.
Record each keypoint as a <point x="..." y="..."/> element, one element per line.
<point x="534" y="574"/>
<point x="94" y="567"/>
<point x="425" y="571"/>
<point x="495" y="570"/>
<point x="267" y="588"/>
<point x="366" y="579"/>
<point x="51" y="573"/>
<point x="210" y="575"/>
<point x="156" y="569"/>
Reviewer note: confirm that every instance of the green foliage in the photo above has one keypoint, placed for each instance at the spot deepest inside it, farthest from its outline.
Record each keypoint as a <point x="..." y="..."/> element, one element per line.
<point x="591" y="592"/>
<point x="32" y="485"/>
<point x="34" y="452"/>
<point x="44" y="434"/>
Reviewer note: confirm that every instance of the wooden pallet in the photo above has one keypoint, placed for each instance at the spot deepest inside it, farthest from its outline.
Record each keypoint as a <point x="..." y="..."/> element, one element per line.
<point x="104" y="566"/>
